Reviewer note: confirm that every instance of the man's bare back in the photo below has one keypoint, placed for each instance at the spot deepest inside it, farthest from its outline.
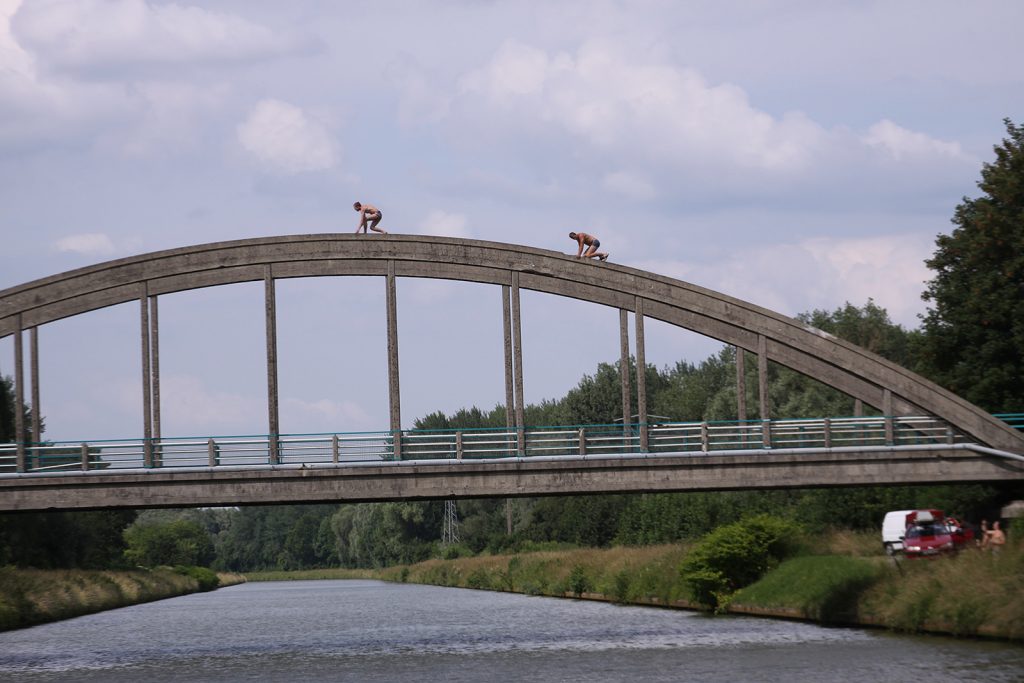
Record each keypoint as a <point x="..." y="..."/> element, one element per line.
<point x="369" y="217"/>
<point x="583" y="239"/>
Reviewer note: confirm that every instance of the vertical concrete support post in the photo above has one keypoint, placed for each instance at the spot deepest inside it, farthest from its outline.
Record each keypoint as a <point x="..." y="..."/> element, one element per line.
<point x="828" y="432"/>
<point x="211" y="452"/>
<point x="858" y="408"/>
<point x="154" y="360"/>
<point x="147" y="378"/>
<point x="887" y="410"/>
<point x="762" y="375"/>
<point x="394" y="388"/>
<point x="335" y="454"/>
<point x="506" y="318"/>
<point x="741" y="392"/>
<point x="741" y="385"/>
<point x="583" y="441"/>
<point x="19" y="397"/>
<point x="37" y="427"/>
<point x="85" y="457"/>
<point x="458" y="445"/>
<point x="950" y="435"/>
<point x="517" y="353"/>
<point x="510" y="399"/>
<point x="627" y="409"/>
<point x="705" y="441"/>
<point x="641" y="374"/>
<point x="762" y="390"/>
<point x="273" y="417"/>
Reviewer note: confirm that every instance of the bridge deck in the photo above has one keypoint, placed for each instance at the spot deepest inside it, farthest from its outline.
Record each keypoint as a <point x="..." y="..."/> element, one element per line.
<point x="481" y="463"/>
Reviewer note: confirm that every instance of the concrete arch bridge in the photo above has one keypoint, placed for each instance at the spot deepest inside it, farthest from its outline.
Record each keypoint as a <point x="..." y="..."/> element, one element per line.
<point x="925" y="434"/>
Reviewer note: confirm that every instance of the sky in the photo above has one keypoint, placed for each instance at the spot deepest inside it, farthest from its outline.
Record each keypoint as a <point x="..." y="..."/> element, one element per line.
<point x="796" y="154"/>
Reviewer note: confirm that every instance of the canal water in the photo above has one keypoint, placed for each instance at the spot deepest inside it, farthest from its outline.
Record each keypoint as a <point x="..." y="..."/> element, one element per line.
<point x="371" y="631"/>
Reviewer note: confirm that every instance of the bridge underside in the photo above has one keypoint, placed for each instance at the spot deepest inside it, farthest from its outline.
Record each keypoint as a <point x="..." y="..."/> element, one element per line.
<point x="445" y="479"/>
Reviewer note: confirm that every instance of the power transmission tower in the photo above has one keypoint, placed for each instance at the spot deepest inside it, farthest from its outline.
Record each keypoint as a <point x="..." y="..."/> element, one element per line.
<point x="450" y="530"/>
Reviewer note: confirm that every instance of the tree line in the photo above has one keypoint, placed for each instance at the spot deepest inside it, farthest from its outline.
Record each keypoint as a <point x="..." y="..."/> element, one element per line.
<point x="971" y="341"/>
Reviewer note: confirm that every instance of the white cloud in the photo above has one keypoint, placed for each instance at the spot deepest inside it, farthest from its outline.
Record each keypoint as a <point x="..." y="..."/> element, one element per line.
<point x="91" y="243"/>
<point x="285" y="139"/>
<point x="40" y="105"/>
<point x="900" y="143"/>
<point x="32" y="107"/>
<point x="623" y="105"/>
<point x="444" y="224"/>
<point x="820" y="273"/>
<point x="103" y="34"/>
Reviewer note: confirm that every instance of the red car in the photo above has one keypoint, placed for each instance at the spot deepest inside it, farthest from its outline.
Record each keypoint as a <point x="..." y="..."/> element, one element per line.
<point x="929" y="539"/>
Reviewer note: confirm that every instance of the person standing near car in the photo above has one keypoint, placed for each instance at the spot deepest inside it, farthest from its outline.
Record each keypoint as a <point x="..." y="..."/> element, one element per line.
<point x="996" y="538"/>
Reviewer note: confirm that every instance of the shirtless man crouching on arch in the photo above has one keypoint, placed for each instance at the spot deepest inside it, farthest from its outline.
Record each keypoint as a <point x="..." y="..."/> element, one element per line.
<point x="369" y="218"/>
<point x="590" y="241"/>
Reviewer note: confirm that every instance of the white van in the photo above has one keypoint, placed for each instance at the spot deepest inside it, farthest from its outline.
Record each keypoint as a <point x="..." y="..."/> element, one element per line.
<point x="894" y="527"/>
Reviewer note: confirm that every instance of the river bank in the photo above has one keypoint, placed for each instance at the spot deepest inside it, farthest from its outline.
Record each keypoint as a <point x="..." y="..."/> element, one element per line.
<point x="33" y="596"/>
<point x="974" y="594"/>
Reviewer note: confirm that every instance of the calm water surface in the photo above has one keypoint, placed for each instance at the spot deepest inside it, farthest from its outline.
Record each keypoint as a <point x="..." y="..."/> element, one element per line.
<point x="370" y="631"/>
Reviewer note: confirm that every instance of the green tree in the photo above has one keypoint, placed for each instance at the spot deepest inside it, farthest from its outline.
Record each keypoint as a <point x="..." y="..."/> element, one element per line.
<point x="181" y="542"/>
<point x="974" y="330"/>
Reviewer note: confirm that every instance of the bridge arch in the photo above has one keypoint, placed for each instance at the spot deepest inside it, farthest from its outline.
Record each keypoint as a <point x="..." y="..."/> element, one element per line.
<point x="772" y="336"/>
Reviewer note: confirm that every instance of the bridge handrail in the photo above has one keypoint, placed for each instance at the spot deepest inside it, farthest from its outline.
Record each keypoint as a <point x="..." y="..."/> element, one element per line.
<point x="478" y="443"/>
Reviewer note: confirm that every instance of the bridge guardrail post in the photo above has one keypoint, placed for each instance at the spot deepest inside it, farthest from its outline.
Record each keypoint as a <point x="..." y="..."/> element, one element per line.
<point x="85" y="457"/>
<point x="766" y="433"/>
<point x="950" y="435"/>
<point x="273" y="449"/>
<point x="705" y="441"/>
<point x="889" y="430"/>
<point x="583" y="442"/>
<point x="458" y="445"/>
<point x="396" y="444"/>
<point x="828" y="432"/>
<point x="334" y="449"/>
<point x="211" y="452"/>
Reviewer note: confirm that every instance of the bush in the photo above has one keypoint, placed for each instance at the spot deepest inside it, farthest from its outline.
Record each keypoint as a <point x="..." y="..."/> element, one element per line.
<point x="206" y="578"/>
<point x="579" y="582"/>
<point x="736" y="555"/>
<point x="480" y="579"/>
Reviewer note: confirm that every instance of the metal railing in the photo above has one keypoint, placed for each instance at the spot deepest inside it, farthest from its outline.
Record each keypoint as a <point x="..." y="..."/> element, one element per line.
<point x="475" y="444"/>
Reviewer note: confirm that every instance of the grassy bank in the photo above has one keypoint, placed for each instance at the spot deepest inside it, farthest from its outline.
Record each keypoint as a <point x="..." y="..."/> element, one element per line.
<point x="847" y="582"/>
<point x="31" y="596"/>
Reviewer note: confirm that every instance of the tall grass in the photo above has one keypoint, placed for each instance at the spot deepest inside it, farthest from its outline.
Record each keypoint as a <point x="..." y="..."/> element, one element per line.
<point x="974" y="593"/>
<point x="625" y="574"/>
<point x="31" y="596"/>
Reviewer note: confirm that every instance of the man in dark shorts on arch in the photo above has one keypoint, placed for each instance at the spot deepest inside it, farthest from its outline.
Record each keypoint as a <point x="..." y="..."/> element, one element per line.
<point x="369" y="217"/>
<point x="593" y="244"/>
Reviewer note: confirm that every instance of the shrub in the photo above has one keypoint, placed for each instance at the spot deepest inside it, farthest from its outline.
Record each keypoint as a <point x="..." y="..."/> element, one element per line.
<point x="621" y="586"/>
<point x="579" y="582"/>
<point x="736" y="555"/>
<point x="206" y="578"/>
<point x="479" y="579"/>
